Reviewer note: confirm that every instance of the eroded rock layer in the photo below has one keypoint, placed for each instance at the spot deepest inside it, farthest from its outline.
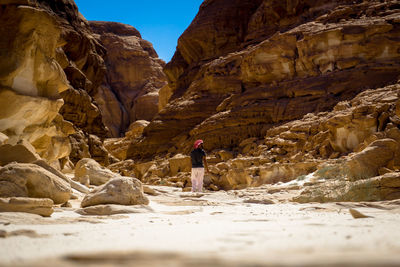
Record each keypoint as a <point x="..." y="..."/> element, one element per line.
<point x="243" y="67"/>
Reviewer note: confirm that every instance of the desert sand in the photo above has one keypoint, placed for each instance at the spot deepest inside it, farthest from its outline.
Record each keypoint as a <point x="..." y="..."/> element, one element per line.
<point x="233" y="228"/>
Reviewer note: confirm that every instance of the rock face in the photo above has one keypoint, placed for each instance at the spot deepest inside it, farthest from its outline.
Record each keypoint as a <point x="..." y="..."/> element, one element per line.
<point x="59" y="78"/>
<point x="134" y="76"/>
<point x="31" y="80"/>
<point x="121" y="190"/>
<point x="41" y="206"/>
<point x="31" y="180"/>
<point x="244" y="66"/>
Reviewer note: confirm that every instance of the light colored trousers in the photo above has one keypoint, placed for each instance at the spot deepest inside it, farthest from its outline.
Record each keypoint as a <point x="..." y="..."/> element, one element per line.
<point x="197" y="179"/>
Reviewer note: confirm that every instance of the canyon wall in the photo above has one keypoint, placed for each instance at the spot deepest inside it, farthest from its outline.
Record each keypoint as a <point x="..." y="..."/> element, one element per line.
<point x="243" y="67"/>
<point x="134" y="75"/>
<point x="66" y="82"/>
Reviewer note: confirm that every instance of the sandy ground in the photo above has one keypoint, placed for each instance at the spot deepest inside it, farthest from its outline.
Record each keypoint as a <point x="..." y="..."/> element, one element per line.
<point x="208" y="229"/>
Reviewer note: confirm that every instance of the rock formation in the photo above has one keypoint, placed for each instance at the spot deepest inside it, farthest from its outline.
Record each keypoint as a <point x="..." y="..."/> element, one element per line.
<point x="41" y="206"/>
<point x="31" y="180"/>
<point x="88" y="171"/>
<point x="84" y="81"/>
<point x="245" y="66"/>
<point x="302" y="94"/>
<point x="120" y="190"/>
<point x="134" y="76"/>
<point x="31" y="81"/>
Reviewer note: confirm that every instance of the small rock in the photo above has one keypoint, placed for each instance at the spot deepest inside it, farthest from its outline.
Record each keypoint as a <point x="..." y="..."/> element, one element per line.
<point x="66" y="205"/>
<point x="357" y="215"/>
<point x="259" y="201"/>
<point x="150" y="191"/>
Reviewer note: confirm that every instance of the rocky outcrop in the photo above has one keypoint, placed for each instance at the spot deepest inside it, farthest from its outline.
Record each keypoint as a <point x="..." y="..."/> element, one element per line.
<point x="31" y="180"/>
<point x="31" y="81"/>
<point x="255" y="64"/>
<point x="385" y="187"/>
<point x="120" y="190"/>
<point x="134" y="75"/>
<point x="55" y="82"/>
<point x="118" y="147"/>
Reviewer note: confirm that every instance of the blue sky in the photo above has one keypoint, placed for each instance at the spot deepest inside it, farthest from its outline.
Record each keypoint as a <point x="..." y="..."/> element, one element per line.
<point x="159" y="21"/>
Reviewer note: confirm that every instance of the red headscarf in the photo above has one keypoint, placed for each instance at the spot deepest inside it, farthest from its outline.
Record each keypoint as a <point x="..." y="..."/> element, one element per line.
<point x="197" y="143"/>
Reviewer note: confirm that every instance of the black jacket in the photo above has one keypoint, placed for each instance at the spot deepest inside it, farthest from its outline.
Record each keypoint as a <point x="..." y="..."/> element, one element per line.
<point x="197" y="156"/>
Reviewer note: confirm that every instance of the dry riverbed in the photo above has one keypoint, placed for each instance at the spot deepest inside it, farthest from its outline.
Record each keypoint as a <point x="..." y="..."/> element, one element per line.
<point x="236" y="228"/>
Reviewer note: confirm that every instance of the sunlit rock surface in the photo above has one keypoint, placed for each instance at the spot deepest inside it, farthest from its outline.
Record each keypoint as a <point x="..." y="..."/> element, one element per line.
<point x="243" y="67"/>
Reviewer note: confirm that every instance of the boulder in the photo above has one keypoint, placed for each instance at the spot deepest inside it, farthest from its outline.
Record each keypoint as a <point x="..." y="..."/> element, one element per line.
<point x="40" y="206"/>
<point x="234" y="179"/>
<point x="120" y="190"/>
<point x="179" y="163"/>
<point x="34" y="181"/>
<point x="74" y="185"/>
<point x="136" y="129"/>
<point x="88" y="171"/>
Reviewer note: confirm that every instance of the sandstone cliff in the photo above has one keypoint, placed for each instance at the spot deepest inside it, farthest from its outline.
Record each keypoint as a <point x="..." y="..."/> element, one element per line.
<point x="243" y="67"/>
<point x="134" y="76"/>
<point x="66" y="82"/>
<point x="31" y="81"/>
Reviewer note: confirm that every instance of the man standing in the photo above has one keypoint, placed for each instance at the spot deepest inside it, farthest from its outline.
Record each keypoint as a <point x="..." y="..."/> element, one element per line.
<point x="198" y="156"/>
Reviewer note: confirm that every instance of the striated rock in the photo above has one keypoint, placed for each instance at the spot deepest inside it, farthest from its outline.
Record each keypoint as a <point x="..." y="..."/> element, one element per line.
<point x="120" y="190"/>
<point x="134" y="74"/>
<point x="88" y="171"/>
<point x="243" y="67"/>
<point x="40" y="206"/>
<point x="31" y="180"/>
